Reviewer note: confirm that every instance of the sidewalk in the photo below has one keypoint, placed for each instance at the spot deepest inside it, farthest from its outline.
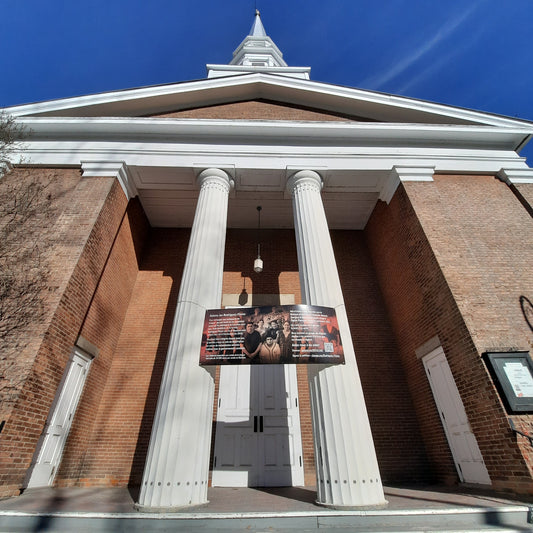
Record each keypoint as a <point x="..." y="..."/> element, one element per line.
<point x="427" y="505"/>
<point x="246" y="500"/>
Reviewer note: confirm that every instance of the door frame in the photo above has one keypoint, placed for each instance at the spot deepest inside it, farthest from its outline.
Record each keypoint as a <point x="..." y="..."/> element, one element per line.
<point x="65" y="404"/>
<point x="482" y="475"/>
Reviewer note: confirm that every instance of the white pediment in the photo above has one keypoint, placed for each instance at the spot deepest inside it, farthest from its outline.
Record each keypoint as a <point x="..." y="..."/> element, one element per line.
<point x="350" y="102"/>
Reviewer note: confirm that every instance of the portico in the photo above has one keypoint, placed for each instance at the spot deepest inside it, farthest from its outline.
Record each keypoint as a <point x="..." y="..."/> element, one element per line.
<point x="176" y="472"/>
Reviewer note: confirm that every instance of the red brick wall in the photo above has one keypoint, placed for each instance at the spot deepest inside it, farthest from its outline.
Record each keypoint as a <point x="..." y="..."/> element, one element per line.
<point x="91" y="212"/>
<point x="452" y="260"/>
<point x="397" y="438"/>
<point x="526" y="190"/>
<point x="102" y="327"/>
<point x="258" y="110"/>
<point x="20" y="348"/>
<point x="481" y="236"/>
<point x="111" y="436"/>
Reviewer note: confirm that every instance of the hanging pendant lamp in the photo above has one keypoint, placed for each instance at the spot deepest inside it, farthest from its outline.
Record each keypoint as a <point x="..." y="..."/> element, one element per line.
<point x="258" y="263"/>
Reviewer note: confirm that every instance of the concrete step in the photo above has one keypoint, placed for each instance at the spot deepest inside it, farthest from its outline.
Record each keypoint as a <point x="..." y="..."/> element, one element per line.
<point x="508" y="518"/>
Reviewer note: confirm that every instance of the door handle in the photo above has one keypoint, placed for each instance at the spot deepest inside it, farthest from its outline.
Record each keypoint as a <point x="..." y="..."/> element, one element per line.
<point x="255" y="424"/>
<point x="261" y="424"/>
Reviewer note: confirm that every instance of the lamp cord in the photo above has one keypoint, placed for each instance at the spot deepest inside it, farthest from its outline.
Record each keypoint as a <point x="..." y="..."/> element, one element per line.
<point x="258" y="231"/>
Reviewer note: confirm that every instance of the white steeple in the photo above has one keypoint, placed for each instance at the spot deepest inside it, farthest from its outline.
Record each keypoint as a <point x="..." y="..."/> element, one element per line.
<point x="257" y="53"/>
<point x="258" y="29"/>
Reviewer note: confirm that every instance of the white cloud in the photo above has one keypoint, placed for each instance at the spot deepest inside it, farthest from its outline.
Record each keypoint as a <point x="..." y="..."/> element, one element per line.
<point x="401" y="66"/>
<point x="437" y="65"/>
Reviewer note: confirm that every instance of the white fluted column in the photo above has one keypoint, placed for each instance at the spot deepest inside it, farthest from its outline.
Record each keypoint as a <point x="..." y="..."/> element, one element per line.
<point x="346" y="463"/>
<point x="177" y="465"/>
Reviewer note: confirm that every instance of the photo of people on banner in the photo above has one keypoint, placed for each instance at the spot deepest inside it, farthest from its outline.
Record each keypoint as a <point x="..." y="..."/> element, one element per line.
<point x="284" y="334"/>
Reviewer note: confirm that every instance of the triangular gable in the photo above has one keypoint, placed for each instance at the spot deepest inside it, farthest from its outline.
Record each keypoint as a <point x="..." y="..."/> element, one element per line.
<point x="305" y="94"/>
<point x="259" y="110"/>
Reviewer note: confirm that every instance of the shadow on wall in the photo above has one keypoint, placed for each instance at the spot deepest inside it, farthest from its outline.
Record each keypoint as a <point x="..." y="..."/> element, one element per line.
<point x="527" y="310"/>
<point x="165" y="252"/>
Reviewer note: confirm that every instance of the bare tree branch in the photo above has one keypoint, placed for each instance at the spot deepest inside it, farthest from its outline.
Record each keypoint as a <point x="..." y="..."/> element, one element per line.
<point x="26" y="219"/>
<point x="11" y="135"/>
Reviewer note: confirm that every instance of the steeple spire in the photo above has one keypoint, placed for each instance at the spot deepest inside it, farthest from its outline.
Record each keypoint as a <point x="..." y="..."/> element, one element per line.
<point x="258" y="29"/>
<point x="257" y="53"/>
<point x="258" y="49"/>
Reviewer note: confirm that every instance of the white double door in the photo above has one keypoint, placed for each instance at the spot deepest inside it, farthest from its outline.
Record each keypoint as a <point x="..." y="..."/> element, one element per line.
<point x="258" y="440"/>
<point x="463" y="444"/>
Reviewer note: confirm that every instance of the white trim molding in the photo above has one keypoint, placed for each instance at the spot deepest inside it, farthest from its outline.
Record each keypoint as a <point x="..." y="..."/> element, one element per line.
<point x="399" y="175"/>
<point x="116" y="169"/>
<point x="516" y="176"/>
<point x="429" y="346"/>
<point x="88" y="347"/>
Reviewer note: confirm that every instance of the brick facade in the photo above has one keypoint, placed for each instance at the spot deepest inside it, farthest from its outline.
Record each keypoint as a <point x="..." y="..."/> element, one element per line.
<point x="526" y="190"/>
<point x="18" y="357"/>
<point x="452" y="261"/>
<point x="99" y="406"/>
<point x="400" y="452"/>
<point x="89" y="213"/>
<point x="259" y="110"/>
<point x="429" y="264"/>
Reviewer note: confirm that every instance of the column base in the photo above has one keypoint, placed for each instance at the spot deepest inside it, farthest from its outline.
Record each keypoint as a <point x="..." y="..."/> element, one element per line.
<point x="373" y="507"/>
<point x="162" y="510"/>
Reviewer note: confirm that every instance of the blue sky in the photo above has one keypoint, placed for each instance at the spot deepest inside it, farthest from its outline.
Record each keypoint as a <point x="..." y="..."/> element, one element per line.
<point x="469" y="53"/>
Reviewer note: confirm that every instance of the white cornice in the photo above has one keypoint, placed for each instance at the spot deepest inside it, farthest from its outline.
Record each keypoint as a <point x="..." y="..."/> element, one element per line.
<point x="266" y="157"/>
<point x="516" y="176"/>
<point x="275" y="132"/>
<point x="413" y="173"/>
<point x="359" y="157"/>
<point x="116" y="169"/>
<point x="401" y="174"/>
<point x="350" y="145"/>
<point x="346" y="100"/>
<point x="161" y="170"/>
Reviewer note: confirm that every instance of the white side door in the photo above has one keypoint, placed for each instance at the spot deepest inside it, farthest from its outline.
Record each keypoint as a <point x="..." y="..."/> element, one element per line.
<point x="258" y="440"/>
<point x="55" y="433"/>
<point x="463" y="444"/>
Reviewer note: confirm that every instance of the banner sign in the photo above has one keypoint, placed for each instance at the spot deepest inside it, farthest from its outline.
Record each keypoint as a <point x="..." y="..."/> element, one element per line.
<point x="285" y="334"/>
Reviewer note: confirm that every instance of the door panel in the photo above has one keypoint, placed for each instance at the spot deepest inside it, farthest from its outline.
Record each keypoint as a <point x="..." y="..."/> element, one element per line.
<point x="57" y="427"/>
<point x="258" y="407"/>
<point x="463" y="444"/>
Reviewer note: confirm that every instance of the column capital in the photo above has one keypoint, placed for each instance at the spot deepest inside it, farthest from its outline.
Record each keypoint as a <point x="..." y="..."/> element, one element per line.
<point x="308" y="177"/>
<point x="215" y="176"/>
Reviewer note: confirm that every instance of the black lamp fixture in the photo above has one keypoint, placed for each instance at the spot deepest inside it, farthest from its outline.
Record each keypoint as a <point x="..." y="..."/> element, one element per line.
<point x="258" y="263"/>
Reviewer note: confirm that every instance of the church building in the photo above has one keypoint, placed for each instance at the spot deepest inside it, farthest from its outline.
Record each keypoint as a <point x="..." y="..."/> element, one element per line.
<point x="412" y="220"/>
